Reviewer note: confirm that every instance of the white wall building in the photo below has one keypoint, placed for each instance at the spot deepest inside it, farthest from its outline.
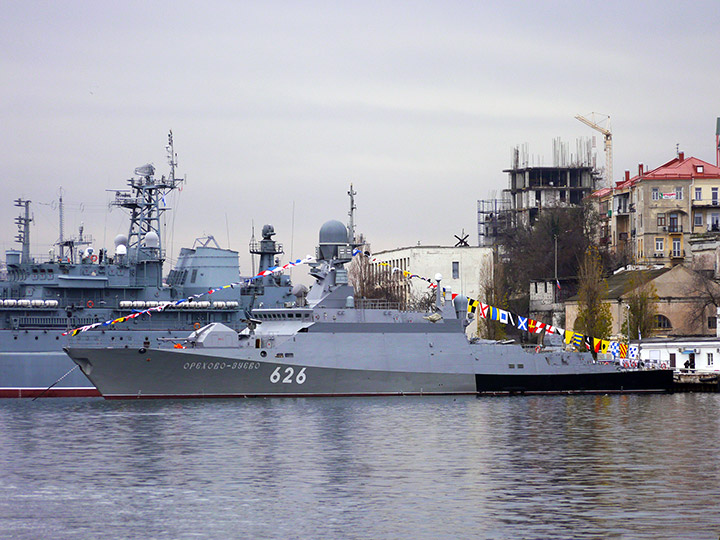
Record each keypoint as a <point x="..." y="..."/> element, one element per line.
<point x="462" y="268"/>
<point x="702" y="354"/>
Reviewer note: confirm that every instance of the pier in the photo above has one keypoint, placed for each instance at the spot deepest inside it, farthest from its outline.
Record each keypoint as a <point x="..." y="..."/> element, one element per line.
<point x="696" y="382"/>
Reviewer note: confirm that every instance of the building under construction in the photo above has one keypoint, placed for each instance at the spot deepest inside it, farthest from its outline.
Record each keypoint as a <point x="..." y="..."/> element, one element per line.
<point x="532" y="187"/>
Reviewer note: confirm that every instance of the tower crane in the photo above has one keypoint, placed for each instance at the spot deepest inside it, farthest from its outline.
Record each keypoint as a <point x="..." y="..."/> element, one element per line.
<point x="601" y="122"/>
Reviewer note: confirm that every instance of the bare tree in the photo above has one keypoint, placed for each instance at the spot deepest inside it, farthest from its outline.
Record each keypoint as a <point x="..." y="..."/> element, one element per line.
<point x="495" y="291"/>
<point x="594" y="316"/>
<point x="378" y="282"/>
<point x="530" y="250"/>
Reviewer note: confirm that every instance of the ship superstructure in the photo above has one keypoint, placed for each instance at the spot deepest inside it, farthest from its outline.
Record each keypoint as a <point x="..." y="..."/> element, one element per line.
<point x="334" y="344"/>
<point x="78" y="285"/>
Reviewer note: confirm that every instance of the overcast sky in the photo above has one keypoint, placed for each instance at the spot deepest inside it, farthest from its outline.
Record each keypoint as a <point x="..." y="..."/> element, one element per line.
<point x="280" y="105"/>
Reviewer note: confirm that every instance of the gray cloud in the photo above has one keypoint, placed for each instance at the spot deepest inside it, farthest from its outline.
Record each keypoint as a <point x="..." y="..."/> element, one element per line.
<point x="276" y="104"/>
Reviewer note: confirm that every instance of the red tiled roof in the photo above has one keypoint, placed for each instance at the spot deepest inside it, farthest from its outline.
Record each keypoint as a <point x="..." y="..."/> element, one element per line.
<point x="685" y="168"/>
<point x="601" y="192"/>
<point x="676" y="169"/>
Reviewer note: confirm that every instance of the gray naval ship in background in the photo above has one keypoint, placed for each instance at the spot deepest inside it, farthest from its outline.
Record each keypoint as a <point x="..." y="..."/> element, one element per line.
<point x="41" y="299"/>
<point x="332" y="344"/>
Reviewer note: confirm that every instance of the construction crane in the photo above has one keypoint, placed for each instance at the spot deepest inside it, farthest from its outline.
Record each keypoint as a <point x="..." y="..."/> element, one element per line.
<point x="601" y="123"/>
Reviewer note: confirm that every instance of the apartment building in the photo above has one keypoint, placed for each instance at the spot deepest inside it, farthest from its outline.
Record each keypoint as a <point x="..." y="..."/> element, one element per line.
<point x="653" y="215"/>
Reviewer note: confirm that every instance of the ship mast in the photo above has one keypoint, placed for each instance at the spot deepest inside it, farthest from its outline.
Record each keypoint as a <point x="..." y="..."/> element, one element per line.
<point x="61" y="212"/>
<point x="143" y="200"/>
<point x="351" y="214"/>
<point x="23" y="234"/>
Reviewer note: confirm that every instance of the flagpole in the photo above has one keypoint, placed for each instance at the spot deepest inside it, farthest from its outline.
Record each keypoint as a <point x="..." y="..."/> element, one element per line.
<point x="556" y="277"/>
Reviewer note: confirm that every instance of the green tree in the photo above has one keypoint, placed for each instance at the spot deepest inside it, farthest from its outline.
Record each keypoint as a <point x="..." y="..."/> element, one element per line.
<point x="641" y="308"/>
<point x="594" y="317"/>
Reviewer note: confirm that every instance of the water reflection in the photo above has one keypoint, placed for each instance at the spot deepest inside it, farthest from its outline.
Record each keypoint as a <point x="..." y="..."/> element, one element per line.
<point x="542" y="467"/>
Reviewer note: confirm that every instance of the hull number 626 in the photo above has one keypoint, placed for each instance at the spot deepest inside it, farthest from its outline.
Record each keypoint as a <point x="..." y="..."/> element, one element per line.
<point x="287" y="375"/>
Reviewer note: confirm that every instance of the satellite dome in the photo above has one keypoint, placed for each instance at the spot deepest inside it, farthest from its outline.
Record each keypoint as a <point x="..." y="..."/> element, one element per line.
<point x="152" y="240"/>
<point x="121" y="239"/>
<point x="333" y="232"/>
<point x="121" y="249"/>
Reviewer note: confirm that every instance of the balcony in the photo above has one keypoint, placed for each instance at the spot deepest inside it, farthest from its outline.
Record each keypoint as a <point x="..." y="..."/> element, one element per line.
<point x="677" y="254"/>
<point x="705" y="203"/>
<point x="675" y="229"/>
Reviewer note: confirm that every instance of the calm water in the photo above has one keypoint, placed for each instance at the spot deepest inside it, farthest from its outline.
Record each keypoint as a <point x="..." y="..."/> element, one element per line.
<point x="511" y="467"/>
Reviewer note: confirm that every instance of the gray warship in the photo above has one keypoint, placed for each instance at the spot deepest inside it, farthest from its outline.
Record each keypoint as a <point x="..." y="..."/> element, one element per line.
<point x="331" y="344"/>
<point x="77" y="285"/>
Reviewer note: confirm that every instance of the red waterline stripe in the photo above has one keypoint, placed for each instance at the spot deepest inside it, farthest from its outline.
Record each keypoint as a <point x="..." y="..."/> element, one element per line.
<point x="52" y="393"/>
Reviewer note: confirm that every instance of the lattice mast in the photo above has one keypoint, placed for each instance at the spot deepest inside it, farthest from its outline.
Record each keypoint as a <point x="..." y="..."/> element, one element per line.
<point x="146" y="202"/>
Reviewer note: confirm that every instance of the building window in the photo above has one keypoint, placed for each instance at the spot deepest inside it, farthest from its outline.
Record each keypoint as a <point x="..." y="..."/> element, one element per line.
<point x="712" y="323"/>
<point x="715" y="196"/>
<point x="700" y="168"/>
<point x="709" y="359"/>
<point x="676" y="248"/>
<point x="698" y="219"/>
<point x="456" y="270"/>
<point x="655" y="194"/>
<point x="715" y="222"/>
<point x="661" y="220"/>
<point x="698" y="194"/>
<point x="674" y="227"/>
<point x="660" y="244"/>
<point x="662" y="322"/>
<point x="678" y="193"/>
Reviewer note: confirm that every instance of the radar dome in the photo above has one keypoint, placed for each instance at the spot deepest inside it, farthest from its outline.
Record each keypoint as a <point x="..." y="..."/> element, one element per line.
<point x="121" y="239"/>
<point x="333" y="232"/>
<point x="332" y="235"/>
<point x="121" y="249"/>
<point x="152" y="240"/>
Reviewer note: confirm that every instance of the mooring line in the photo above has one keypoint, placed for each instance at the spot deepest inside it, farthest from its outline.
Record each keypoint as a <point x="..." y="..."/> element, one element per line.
<point x="53" y="384"/>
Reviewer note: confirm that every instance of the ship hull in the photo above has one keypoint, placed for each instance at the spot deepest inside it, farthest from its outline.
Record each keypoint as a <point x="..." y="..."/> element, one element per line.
<point x="655" y="380"/>
<point x="29" y="374"/>
<point x="31" y="361"/>
<point x="352" y="364"/>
